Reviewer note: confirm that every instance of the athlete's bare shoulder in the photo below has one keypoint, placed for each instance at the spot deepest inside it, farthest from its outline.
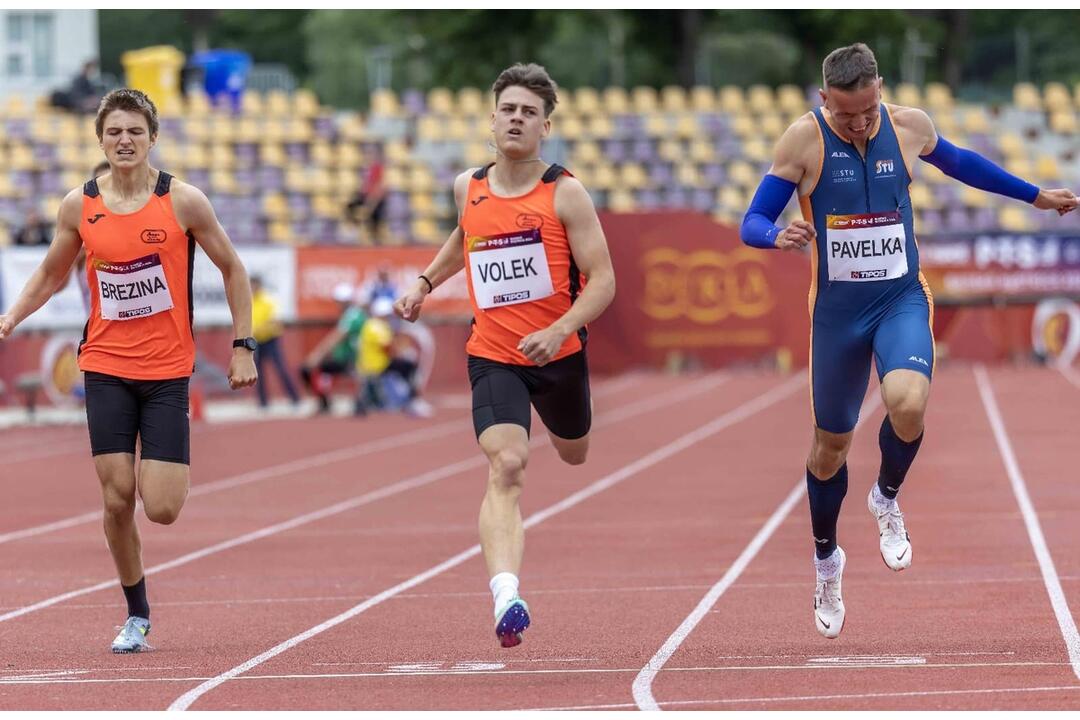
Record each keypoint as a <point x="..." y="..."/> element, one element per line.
<point x="461" y="186"/>
<point x="914" y="124"/>
<point x="798" y="149"/>
<point x="70" y="212"/>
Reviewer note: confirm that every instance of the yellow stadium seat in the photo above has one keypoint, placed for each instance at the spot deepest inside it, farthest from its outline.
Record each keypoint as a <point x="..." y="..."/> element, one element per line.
<point x="930" y="174"/>
<point x="1013" y="218"/>
<point x="69" y="154"/>
<point x="276" y="104"/>
<point x="945" y="122"/>
<point x="568" y="127"/>
<point x="687" y="174"/>
<point x="22" y="158"/>
<point x="923" y="197"/>
<point x="975" y="120"/>
<point x="702" y="151"/>
<point x="197" y="104"/>
<point x="280" y="233"/>
<point x="1019" y="166"/>
<point x="1056" y="97"/>
<point x="320" y="181"/>
<point x="325" y="206"/>
<point x="644" y="99"/>
<point x="477" y="154"/>
<point x="421" y="204"/>
<point x="1026" y="97"/>
<point x="600" y="127"/>
<point x="732" y="99"/>
<point x="395" y="178"/>
<point x="248" y="130"/>
<point x="732" y="199"/>
<point x="420" y="179"/>
<point x="223" y="156"/>
<point x="671" y="150"/>
<point x="726" y="217"/>
<point x="397" y="153"/>
<point x="299" y="130"/>
<point x="1064" y="123"/>
<point x="744" y="126"/>
<point x="585" y="152"/>
<point x="686" y="126"/>
<point x="297" y="180"/>
<point x="790" y="99"/>
<point x="975" y="198"/>
<point x="457" y="128"/>
<point x="1011" y="145"/>
<point x="197" y="129"/>
<point x="353" y="128"/>
<point x="633" y="177"/>
<point x="71" y="179"/>
<point x="616" y="101"/>
<point x="702" y="99"/>
<point x="252" y="103"/>
<point x="938" y="97"/>
<point x="275" y="207"/>
<point x="761" y="99"/>
<point x="321" y="154"/>
<point x="621" y="201"/>
<point x="348" y="155"/>
<point x="305" y="103"/>
<point x="673" y="99"/>
<point x="272" y="155"/>
<point x="346" y="181"/>
<point x="657" y="125"/>
<point x="222" y="181"/>
<point x="440" y="101"/>
<point x="470" y="101"/>
<point x="603" y="177"/>
<point x="587" y="100"/>
<point x="430" y="128"/>
<point x="741" y="173"/>
<point x="426" y="231"/>
<point x="384" y="102"/>
<point x="772" y="126"/>
<point x="195" y="157"/>
<point x="757" y="150"/>
<point x="1047" y="169"/>
<point x="908" y="95"/>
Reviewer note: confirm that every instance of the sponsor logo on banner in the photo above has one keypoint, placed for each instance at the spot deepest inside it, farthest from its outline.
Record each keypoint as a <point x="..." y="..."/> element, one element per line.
<point x="1055" y="330"/>
<point x="705" y="286"/>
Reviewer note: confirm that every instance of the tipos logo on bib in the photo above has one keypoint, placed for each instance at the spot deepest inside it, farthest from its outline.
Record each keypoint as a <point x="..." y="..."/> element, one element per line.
<point x="132" y="289"/>
<point x="509" y="269"/>
<point x="864" y="248"/>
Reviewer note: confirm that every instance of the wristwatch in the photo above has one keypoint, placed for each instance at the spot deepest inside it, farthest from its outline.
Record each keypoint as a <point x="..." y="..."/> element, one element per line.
<point x="249" y="342"/>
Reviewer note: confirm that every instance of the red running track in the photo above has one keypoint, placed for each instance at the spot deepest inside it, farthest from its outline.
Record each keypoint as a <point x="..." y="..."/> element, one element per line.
<point x="372" y="526"/>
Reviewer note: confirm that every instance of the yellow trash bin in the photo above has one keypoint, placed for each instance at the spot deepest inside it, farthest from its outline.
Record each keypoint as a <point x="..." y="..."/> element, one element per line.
<point x="156" y="71"/>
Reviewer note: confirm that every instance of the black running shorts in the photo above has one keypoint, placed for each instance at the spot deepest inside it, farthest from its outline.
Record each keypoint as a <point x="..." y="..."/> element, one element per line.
<point x="559" y="391"/>
<point x="156" y="411"/>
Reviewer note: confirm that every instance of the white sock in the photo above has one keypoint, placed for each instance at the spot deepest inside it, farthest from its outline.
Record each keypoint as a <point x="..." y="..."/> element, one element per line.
<point x="827" y="568"/>
<point x="504" y="588"/>
<point x="881" y="502"/>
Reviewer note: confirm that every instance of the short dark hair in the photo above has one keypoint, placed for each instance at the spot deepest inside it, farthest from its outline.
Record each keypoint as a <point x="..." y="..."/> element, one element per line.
<point x="533" y="78"/>
<point x="130" y="100"/>
<point x="850" y="68"/>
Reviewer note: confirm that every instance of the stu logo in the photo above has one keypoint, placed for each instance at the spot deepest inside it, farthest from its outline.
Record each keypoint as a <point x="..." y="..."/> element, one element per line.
<point x="883" y="166"/>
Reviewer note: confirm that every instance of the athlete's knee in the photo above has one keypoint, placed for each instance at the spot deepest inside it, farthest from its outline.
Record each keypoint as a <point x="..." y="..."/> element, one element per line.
<point x="906" y="413"/>
<point x="118" y="506"/>
<point x="162" y="513"/>
<point x="827" y="454"/>
<point x="574" y="453"/>
<point x="508" y="467"/>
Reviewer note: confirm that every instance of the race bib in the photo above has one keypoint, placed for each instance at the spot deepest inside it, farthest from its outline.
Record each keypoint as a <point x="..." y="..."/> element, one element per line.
<point x="865" y="248"/>
<point x="509" y="269"/>
<point x="133" y="289"/>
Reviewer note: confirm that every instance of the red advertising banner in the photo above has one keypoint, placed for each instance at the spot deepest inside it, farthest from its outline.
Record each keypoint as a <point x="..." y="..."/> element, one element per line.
<point x="320" y="269"/>
<point x="690" y="291"/>
<point x="1001" y="266"/>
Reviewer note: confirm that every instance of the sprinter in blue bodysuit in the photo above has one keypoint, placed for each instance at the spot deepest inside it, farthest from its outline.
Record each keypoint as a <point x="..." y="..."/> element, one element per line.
<point x="850" y="161"/>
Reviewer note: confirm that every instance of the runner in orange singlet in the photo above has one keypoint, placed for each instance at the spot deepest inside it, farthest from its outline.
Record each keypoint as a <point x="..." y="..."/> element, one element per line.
<point x="138" y="226"/>
<point x="529" y="238"/>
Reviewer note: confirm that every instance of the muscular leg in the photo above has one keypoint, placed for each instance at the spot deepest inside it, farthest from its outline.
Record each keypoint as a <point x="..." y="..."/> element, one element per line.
<point x="826" y="486"/>
<point x="572" y="452"/>
<point x="116" y="472"/>
<point x="905" y="393"/>
<point x="502" y="535"/>
<point x="163" y="487"/>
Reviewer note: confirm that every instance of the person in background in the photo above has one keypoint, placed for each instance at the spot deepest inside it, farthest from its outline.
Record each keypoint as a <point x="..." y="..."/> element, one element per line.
<point x="267" y="331"/>
<point x="336" y="352"/>
<point x="35" y="231"/>
<point x="369" y="204"/>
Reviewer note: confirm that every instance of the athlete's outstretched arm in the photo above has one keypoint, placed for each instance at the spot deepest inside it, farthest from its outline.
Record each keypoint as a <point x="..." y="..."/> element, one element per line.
<point x="54" y="269"/>
<point x="590" y="252"/>
<point x="971" y="168"/>
<point x="789" y="166"/>
<point x="448" y="262"/>
<point x="196" y="215"/>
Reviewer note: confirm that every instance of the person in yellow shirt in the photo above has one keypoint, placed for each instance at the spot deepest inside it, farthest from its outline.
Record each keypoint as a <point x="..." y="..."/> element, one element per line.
<point x="389" y="377"/>
<point x="267" y="331"/>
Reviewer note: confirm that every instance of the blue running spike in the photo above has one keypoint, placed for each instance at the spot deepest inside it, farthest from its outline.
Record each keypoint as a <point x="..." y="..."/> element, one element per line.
<point x="511" y="622"/>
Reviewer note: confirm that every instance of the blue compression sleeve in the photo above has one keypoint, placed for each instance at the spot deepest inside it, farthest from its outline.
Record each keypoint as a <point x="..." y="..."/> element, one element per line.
<point x="971" y="168"/>
<point x="759" y="224"/>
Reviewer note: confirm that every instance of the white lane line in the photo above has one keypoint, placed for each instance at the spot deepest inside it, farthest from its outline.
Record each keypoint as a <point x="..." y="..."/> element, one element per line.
<point x="808" y="698"/>
<point x="1070" y="374"/>
<point x="479" y="668"/>
<point x="1031" y="521"/>
<point x="642" y="686"/>
<point x="620" y="414"/>
<point x="391" y="442"/>
<point x="691" y="438"/>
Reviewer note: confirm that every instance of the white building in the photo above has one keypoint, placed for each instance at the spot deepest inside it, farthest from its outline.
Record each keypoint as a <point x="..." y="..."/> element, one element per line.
<point x="42" y="50"/>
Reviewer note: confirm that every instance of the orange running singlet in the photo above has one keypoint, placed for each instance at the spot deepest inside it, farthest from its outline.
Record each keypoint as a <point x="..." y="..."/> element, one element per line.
<point x="518" y="266"/>
<point x="139" y="268"/>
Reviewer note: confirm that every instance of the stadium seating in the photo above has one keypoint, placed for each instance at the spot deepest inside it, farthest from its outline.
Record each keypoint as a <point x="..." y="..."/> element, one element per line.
<point x="282" y="169"/>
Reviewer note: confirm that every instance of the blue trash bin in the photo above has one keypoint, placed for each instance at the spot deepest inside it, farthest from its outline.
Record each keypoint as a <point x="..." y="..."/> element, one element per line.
<point x="224" y="74"/>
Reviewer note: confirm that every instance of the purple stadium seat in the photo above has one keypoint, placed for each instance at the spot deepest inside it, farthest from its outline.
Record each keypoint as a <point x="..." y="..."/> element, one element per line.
<point x="271" y="179"/>
<point x="660" y="174"/>
<point x="648" y="200"/>
<point x="702" y="200"/>
<point x="414" y="102"/>
<point x="17" y="129"/>
<point x="957" y="219"/>
<point x="713" y="175"/>
<point x="198" y="178"/>
<point x="930" y="222"/>
<point x="325" y="128"/>
<point x="675" y="198"/>
<point x="299" y="204"/>
<point x="397" y="206"/>
<point x="247" y="155"/>
<point x="643" y="151"/>
<point x="297" y="152"/>
<point x="615" y="150"/>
